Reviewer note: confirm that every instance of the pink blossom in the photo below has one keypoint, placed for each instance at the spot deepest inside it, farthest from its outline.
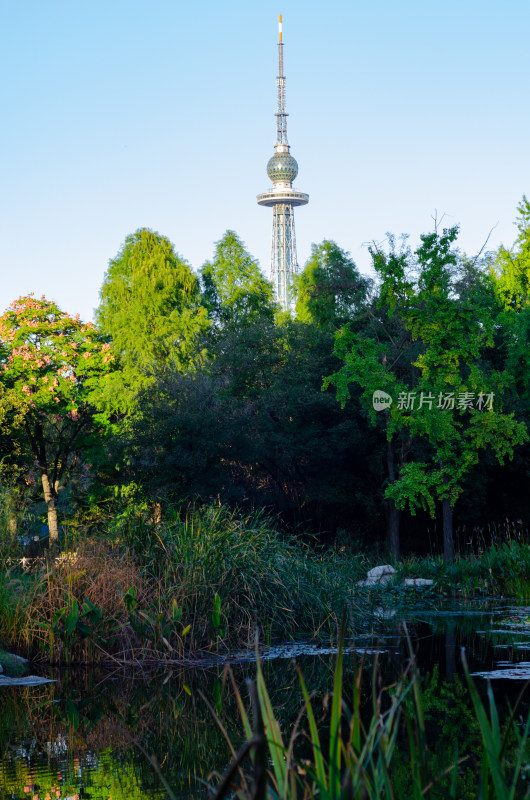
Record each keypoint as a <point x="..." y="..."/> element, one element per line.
<point x="86" y="354"/>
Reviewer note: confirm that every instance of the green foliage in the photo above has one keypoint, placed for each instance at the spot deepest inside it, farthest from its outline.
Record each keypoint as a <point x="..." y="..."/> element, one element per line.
<point x="254" y="428"/>
<point x="15" y="593"/>
<point x="510" y="273"/>
<point x="230" y="572"/>
<point x="52" y="363"/>
<point x="150" y="309"/>
<point x="500" y="570"/>
<point x="234" y="290"/>
<point x="55" y="369"/>
<point x="330" y="290"/>
<point x="363" y="761"/>
<point x="416" y="488"/>
<point x="447" y="311"/>
<point x="511" y="268"/>
<point x="197" y="579"/>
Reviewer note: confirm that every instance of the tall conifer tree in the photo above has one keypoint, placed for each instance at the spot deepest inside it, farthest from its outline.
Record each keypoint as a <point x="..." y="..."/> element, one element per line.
<point x="150" y="308"/>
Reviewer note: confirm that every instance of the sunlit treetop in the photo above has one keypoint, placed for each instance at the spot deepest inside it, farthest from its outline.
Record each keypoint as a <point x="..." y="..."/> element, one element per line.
<point x="511" y="268"/>
<point x="49" y="358"/>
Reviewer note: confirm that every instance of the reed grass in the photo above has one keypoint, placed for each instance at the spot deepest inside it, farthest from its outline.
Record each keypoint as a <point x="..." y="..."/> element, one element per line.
<point x="501" y="569"/>
<point x="355" y="760"/>
<point x="200" y="580"/>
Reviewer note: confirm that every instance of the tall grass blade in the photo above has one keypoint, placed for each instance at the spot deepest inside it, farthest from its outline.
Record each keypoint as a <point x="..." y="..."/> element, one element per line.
<point x="490" y="737"/>
<point x="335" y="744"/>
<point x="277" y="748"/>
<point x="320" y="769"/>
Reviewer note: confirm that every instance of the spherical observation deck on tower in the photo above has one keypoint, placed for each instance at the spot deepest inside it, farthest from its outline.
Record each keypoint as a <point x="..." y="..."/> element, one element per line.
<point x="282" y="167"/>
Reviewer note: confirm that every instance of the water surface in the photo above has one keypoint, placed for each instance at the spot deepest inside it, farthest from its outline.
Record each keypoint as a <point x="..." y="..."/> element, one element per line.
<point x="91" y="731"/>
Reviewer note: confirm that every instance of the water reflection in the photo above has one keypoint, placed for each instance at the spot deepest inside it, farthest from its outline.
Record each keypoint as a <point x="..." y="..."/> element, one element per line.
<point x="79" y="737"/>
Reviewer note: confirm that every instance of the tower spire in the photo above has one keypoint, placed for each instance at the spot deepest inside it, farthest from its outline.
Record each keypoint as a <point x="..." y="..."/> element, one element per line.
<point x="282" y="169"/>
<point x="281" y="114"/>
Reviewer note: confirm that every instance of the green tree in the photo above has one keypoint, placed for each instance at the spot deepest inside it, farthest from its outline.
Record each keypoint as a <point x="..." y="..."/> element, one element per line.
<point x="150" y="308"/>
<point x="511" y="268"/>
<point x="53" y="373"/>
<point x="330" y="290"/>
<point x="253" y="427"/>
<point x="452" y="332"/>
<point x="511" y="277"/>
<point x="234" y="290"/>
<point x="377" y="357"/>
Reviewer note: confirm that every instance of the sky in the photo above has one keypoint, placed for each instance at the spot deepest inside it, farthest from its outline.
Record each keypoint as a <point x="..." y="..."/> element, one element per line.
<point x="121" y="114"/>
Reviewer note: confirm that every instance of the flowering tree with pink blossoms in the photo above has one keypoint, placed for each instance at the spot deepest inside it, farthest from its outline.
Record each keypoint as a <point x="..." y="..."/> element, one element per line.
<point x="52" y="369"/>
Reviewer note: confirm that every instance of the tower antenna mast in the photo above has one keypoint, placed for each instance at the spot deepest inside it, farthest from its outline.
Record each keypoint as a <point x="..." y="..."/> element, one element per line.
<point x="282" y="169"/>
<point x="281" y="114"/>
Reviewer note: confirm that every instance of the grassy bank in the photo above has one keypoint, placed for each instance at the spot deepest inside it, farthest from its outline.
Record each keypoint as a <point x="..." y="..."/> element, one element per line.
<point x="204" y="581"/>
<point x="501" y="569"/>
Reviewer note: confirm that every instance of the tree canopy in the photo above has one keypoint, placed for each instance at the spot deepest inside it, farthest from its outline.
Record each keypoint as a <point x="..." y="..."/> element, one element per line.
<point x="54" y="369"/>
<point x="234" y="290"/>
<point x="330" y="290"/>
<point x="150" y="309"/>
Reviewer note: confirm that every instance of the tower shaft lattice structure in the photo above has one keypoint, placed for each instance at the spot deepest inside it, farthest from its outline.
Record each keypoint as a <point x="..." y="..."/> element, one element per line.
<point x="282" y="169"/>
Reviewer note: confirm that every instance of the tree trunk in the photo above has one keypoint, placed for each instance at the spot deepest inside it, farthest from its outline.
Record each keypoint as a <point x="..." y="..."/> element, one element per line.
<point x="393" y="512"/>
<point x="51" y="502"/>
<point x="448" y="529"/>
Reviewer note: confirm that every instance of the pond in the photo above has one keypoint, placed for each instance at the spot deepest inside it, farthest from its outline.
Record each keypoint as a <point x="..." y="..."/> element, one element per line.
<point x="90" y="732"/>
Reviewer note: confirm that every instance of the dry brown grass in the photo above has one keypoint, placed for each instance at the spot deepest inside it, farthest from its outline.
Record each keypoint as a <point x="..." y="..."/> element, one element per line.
<point x="96" y="571"/>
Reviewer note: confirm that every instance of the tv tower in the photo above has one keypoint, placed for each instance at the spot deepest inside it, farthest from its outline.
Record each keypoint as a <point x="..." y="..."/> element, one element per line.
<point x="282" y="169"/>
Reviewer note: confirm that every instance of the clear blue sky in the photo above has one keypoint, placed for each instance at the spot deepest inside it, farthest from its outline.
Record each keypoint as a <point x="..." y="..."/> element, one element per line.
<point x="123" y="114"/>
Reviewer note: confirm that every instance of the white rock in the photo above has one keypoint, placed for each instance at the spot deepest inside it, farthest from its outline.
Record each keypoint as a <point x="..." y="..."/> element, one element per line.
<point x="378" y="576"/>
<point x="418" y="582"/>
<point x="378" y="572"/>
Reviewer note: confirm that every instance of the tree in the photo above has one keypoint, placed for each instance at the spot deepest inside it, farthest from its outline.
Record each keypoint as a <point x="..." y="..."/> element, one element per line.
<point x="53" y="371"/>
<point x="150" y="308"/>
<point x="253" y="427"/>
<point x="451" y="331"/>
<point x="330" y="290"/>
<point x="511" y="277"/>
<point x="234" y="290"/>
<point x="511" y="268"/>
<point x="377" y="356"/>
